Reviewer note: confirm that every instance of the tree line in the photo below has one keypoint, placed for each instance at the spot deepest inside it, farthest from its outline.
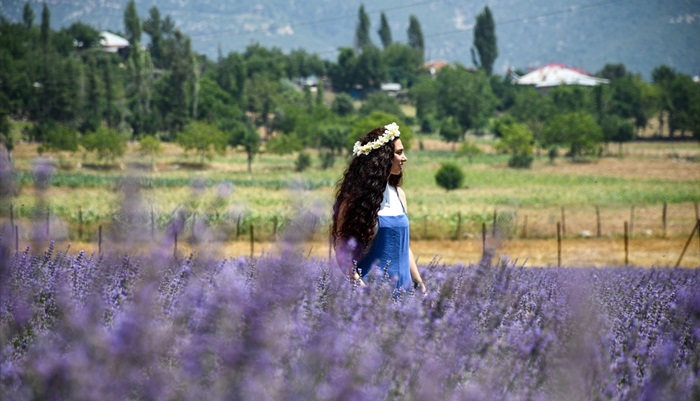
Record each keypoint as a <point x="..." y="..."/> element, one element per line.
<point x="74" y="94"/>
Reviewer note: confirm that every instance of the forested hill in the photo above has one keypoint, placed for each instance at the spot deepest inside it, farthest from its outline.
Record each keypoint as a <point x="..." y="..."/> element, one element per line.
<point x="641" y="34"/>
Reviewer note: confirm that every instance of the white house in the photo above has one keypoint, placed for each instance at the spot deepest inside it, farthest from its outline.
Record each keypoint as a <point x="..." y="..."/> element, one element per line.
<point x="555" y="74"/>
<point x="112" y="43"/>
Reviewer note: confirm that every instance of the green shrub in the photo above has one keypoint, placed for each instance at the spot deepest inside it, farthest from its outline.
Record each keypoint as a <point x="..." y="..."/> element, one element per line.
<point x="449" y="176"/>
<point x="520" y="160"/>
<point x="327" y="160"/>
<point x="303" y="161"/>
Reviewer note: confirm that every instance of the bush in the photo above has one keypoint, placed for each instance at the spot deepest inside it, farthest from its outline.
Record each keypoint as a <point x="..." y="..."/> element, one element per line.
<point x="449" y="176"/>
<point x="520" y="160"/>
<point x="303" y="161"/>
<point x="327" y="160"/>
<point x="469" y="149"/>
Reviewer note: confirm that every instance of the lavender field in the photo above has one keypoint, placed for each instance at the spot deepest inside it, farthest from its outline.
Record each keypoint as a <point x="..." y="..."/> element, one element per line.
<point x="134" y="327"/>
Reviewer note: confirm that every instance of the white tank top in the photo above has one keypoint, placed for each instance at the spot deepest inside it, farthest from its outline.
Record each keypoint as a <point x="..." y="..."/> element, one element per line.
<point x="391" y="204"/>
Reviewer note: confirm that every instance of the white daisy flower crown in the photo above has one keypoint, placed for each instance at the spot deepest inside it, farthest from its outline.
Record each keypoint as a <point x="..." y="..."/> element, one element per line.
<point x="391" y="131"/>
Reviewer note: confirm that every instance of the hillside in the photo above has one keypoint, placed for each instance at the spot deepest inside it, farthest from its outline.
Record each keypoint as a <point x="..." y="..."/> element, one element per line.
<point x="587" y="34"/>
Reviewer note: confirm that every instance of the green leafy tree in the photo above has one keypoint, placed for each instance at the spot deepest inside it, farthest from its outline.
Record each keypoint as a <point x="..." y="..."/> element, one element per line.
<point x="380" y="101"/>
<point x="469" y="150"/>
<point x="343" y="104"/>
<point x="384" y="31"/>
<point x="485" y="41"/>
<point x="684" y="97"/>
<point x="150" y="146"/>
<point x="362" y="38"/>
<point x="247" y="136"/>
<point x="517" y="140"/>
<point x="449" y="176"/>
<point x="451" y="131"/>
<point x="415" y="36"/>
<point x="342" y="73"/>
<point x="403" y="63"/>
<point x="663" y="76"/>
<point x="424" y="95"/>
<point x="59" y="138"/>
<point x="284" y="144"/>
<point x="466" y="96"/>
<point x="370" y="69"/>
<point x="333" y="136"/>
<point x="231" y="74"/>
<point x="578" y="131"/>
<point x="616" y="129"/>
<point x="203" y="138"/>
<point x="107" y="143"/>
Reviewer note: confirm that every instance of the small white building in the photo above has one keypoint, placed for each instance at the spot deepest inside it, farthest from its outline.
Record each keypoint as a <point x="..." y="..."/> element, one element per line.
<point x="555" y="74"/>
<point x="112" y="43"/>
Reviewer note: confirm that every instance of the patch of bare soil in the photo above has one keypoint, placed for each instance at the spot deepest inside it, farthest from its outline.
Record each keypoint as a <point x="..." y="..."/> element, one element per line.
<point x="633" y="168"/>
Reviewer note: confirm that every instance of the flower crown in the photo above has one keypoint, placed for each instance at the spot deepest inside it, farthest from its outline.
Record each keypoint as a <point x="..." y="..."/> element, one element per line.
<point x="391" y="131"/>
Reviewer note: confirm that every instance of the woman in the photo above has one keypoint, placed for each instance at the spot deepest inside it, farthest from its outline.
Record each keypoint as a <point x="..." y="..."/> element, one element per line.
<point x="370" y="218"/>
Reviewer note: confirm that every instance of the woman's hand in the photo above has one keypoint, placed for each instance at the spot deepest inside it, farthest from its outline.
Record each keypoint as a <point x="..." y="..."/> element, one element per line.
<point x="420" y="285"/>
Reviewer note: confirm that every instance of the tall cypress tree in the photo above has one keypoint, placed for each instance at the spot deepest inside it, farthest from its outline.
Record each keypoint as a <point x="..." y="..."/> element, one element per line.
<point x="132" y="24"/>
<point x="384" y="31"/>
<point x="362" y="38"/>
<point x="45" y="26"/>
<point x="28" y="16"/>
<point x="485" y="41"/>
<point x="415" y="35"/>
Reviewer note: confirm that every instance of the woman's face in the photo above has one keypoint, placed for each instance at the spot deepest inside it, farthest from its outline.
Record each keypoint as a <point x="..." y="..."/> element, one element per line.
<point x="399" y="158"/>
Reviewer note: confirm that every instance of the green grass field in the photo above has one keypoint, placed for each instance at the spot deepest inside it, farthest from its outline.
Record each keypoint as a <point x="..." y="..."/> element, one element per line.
<point x="647" y="176"/>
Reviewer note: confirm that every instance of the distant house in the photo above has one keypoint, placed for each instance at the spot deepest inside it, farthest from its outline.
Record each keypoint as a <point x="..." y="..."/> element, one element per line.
<point x="556" y="74"/>
<point x="112" y="43"/>
<point x="433" y="66"/>
<point x="391" y="88"/>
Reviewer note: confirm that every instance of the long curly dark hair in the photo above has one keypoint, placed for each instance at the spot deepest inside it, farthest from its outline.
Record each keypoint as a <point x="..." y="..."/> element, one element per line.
<point x="360" y="192"/>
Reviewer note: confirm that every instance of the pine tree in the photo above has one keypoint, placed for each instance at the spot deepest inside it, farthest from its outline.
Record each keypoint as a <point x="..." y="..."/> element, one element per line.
<point x="384" y="31"/>
<point x="362" y="38"/>
<point x="485" y="41"/>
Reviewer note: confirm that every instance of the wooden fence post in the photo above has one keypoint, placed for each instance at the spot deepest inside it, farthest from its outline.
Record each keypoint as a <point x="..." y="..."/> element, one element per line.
<point x="238" y="226"/>
<point x="99" y="239"/>
<point x="493" y="230"/>
<point x="663" y="218"/>
<point x="48" y="217"/>
<point x="80" y="223"/>
<point x="597" y="218"/>
<point x="12" y="215"/>
<point x="558" y="244"/>
<point x="692" y="233"/>
<point x="252" y="241"/>
<point x="458" y="233"/>
<point x="194" y="223"/>
<point x="16" y="239"/>
<point x="563" y="222"/>
<point x="631" y="227"/>
<point x="483" y="238"/>
<point x="626" y="245"/>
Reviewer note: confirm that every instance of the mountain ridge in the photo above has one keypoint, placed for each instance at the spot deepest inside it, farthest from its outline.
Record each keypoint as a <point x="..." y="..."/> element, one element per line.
<point x="583" y="33"/>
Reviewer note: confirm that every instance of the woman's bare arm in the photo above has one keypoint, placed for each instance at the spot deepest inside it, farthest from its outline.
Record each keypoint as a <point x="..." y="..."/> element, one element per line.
<point x="415" y="274"/>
